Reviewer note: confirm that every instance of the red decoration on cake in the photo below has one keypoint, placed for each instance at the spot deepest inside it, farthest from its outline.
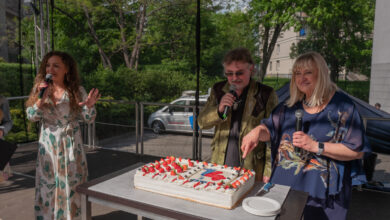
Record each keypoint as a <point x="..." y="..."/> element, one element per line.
<point x="215" y="176"/>
<point x="191" y="179"/>
<point x="207" y="184"/>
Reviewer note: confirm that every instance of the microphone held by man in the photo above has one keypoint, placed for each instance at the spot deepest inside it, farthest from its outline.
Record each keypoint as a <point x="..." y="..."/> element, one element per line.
<point x="232" y="90"/>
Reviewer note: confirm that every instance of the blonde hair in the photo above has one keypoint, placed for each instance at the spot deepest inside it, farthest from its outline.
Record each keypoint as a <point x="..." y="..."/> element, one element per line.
<point x="324" y="87"/>
<point x="71" y="80"/>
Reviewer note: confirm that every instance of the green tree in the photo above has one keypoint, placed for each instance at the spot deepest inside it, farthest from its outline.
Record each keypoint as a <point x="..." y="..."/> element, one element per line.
<point x="270" y="18"/>
<point x="341" y="30"/>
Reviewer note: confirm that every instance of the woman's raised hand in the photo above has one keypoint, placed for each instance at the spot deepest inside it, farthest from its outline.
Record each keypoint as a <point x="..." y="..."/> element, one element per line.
<point x="92" y="98"/>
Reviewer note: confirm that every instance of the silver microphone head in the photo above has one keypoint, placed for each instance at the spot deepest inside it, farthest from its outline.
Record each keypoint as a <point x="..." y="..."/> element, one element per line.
<point x="232" y="87"/>
<point x="48" y="77"/>
<point x="299" y="113"/>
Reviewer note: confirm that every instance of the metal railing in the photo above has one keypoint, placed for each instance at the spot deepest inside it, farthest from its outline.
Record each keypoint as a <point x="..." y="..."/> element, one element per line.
<point x="122" y="125"/>
<point x="89" y="131"/>
<point x="196" y="150"/>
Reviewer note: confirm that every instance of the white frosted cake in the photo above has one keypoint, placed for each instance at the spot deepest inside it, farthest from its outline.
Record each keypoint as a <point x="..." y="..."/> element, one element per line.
<point x="202" y="182"/>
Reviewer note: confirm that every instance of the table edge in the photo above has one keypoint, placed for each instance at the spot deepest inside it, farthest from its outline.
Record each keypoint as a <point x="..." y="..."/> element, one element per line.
<point x="83" y="189"/>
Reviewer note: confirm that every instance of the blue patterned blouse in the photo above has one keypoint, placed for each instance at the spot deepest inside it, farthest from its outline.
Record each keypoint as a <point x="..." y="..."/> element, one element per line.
<point x="320" y="176"/>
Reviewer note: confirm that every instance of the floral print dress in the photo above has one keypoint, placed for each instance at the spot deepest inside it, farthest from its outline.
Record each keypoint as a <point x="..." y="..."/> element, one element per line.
<point x="61" y="162"/>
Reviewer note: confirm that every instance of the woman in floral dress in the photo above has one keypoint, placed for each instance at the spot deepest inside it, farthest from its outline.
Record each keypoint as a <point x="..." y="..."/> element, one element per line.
<point x="61" y="163"/>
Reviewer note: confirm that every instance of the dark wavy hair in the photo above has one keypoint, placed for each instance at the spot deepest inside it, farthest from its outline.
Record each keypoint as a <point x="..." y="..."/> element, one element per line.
<point x="238" y="54"/>
<point x="71" y="80"/>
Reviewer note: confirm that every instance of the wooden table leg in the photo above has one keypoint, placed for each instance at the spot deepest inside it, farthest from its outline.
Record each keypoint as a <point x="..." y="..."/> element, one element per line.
<point x="85" y="208"/>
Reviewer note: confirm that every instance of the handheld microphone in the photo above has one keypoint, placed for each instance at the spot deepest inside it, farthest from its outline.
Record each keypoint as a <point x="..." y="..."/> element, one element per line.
<point x="232" y="90"/>
<point x="298" y="120"/>
<point x="298" y="125"/>
<point x="47" y="80"/>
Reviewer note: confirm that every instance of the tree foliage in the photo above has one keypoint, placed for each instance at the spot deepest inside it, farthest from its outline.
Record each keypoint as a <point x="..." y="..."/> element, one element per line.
<point x="342" y="31"/>
<point x="269" y="19"/>
<point x="142" y="35"/>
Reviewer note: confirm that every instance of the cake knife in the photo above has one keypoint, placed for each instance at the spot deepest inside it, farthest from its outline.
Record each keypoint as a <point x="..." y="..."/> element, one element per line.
<point x="265" y="189"/>
<point x="241" y="165"/>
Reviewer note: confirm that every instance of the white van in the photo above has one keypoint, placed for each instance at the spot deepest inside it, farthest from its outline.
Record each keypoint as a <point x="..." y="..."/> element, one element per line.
<point x="177" y="118"/>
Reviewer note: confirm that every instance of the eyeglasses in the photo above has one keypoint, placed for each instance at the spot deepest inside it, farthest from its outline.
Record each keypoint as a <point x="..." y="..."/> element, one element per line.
<point x="230" y="74"/>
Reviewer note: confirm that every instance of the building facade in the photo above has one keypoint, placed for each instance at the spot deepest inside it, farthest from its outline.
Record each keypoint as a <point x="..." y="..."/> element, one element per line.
<point x="280" y="64"/>
<point x="380" y="66"/>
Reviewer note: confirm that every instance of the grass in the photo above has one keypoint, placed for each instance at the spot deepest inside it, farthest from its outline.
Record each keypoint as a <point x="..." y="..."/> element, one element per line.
<point x="275" y="82"/>
<point x="358" y="89"/>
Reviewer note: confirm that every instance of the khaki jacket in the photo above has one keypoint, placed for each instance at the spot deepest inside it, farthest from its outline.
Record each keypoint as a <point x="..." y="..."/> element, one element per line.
<point x="260" y="158"/>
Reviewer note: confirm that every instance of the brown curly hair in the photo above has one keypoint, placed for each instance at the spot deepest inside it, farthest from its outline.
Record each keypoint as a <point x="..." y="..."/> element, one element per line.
<point x="71" y="80"/>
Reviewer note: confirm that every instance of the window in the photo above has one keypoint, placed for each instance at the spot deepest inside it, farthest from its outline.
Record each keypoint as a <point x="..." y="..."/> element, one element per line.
<point x="277" y="65"/>
<point x="270" y="66"/>
<point x="277" y="49"/>
<point x="201" y="102"/>
<point x="178" y="109"/>
<point x="302" y="32"/>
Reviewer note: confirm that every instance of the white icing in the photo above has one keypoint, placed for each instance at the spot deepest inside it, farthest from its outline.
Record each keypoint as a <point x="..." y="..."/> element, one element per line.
<point x="185" y="188"/>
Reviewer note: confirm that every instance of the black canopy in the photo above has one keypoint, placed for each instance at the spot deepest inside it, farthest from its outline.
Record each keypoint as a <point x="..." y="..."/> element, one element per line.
<point x="377" y="121"/>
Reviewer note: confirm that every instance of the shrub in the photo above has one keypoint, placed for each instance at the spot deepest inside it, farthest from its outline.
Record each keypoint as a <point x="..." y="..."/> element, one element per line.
<point x="10" y="79"/>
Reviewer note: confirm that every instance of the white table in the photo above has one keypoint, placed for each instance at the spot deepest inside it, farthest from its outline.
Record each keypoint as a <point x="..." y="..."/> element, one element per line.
<point x="117" y="191"/>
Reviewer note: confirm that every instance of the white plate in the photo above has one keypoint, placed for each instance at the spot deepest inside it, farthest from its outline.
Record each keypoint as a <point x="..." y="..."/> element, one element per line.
<point x="261" y="206"/>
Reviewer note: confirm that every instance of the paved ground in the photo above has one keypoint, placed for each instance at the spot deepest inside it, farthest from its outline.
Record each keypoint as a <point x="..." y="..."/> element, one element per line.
<point x="179" y="145"/>
<point x="17" y="194"/>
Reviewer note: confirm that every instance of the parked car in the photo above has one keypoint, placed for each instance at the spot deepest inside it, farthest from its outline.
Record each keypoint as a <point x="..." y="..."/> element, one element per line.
<point x="177" y="118"/>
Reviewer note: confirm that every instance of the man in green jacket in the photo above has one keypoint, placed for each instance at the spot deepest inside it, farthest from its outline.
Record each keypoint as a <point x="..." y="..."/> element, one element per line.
<point x="234" y="108"/>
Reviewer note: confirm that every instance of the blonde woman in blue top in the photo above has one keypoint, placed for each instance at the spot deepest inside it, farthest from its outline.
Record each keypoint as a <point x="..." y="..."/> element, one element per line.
<point x="322" y="158"/>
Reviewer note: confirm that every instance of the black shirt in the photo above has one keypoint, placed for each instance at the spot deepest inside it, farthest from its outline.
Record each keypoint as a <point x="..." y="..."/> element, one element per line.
<point x="232" y="156"/>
